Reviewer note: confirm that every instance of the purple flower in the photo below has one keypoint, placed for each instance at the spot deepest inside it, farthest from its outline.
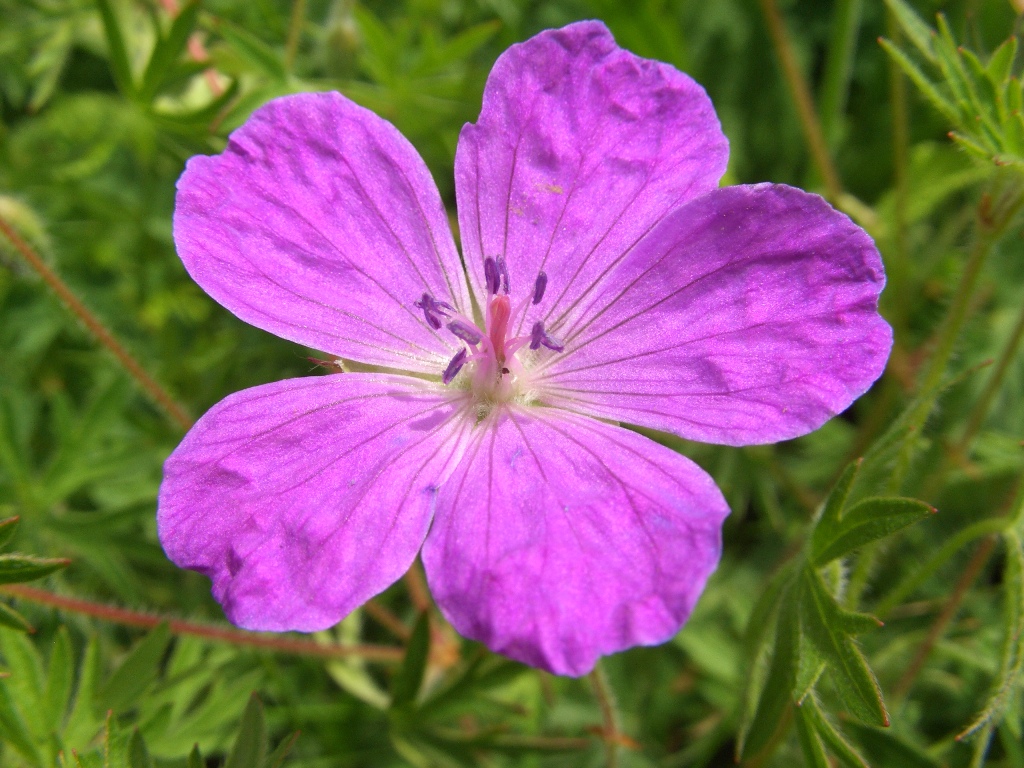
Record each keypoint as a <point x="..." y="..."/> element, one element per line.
<point x="606" y="279"/>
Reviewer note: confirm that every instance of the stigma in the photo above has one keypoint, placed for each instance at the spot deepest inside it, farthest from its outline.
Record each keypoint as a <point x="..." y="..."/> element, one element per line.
<point x="494" y="365"/>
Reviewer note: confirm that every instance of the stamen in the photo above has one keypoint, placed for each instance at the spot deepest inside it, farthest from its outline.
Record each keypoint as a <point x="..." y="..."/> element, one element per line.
<point x="433" y="310"/>
<point x="491" y="276"/>
<point x="539" y="287"/>
<point x="539" y="337"/>
<point x="454" y="366"/>
<point x="503" y="272"/>
<point x="467" y="333"/>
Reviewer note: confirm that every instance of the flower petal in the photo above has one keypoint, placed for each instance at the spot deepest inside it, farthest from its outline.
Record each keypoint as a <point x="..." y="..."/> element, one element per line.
<point x="748" y="316"/>
<point x="304" y="498"/>
<point x="559" y="539"/>
<point x="320" y="223"/>
<point x="581" y="147"/>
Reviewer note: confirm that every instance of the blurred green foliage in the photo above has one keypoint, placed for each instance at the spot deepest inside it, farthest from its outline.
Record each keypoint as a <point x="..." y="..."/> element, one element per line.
<point x="102" y="101"/>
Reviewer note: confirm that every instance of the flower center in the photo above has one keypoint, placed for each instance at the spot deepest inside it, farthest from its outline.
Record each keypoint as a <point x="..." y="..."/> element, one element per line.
<point x="490" y="365"/>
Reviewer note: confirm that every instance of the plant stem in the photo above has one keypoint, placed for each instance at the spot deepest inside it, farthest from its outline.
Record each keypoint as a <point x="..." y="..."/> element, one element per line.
<point x="238" y="637"/>
<point x="839" y="65"/>
<point x="949" y="610"/>
<point x="159" y="395"/>
<point x="609" y="716"/>
<point x="993" y="386"/>
<point x="295" y="24"/>
<point x="897" y="267"/>
<point x="801" y="94"/>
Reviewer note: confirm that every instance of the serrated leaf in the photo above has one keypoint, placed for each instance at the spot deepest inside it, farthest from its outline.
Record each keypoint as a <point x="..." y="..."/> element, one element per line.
<point x="836" y="743"/>
<point x="277" y="757"/>
<point x="83" y="722"/>
<point x="821" y="620"/>
<point x="810" y="743"/>
<point x="409" y="676"/>
<point x="168" y="49"/>
<point x="1000" y="63"/>
<point x="759" y="723"/>
<point x="139" y="669"/>
<point x="60" y="672"/>
<point x="809" y="667"/>
<point x="26" y="681"/>
<point x="119" y="62"/>
<point x="11" y="618"/>
<point x="138" y="755"/>
<point x="919" y="33"/>
<point x="923" y="83"/>
<point x="253" y="50"/>
<point x="250" y="748"/>
<point x="8" y="528"/>
<point x="885" y="748"/>
<point x="828" y="523"/>
<point x="13" y="729"/>
<point x="867" y="521"/>
<point x="16" y="568"/>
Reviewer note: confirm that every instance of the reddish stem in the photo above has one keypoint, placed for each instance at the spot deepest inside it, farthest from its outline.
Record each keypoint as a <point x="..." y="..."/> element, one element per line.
<point x="279" y="644"/>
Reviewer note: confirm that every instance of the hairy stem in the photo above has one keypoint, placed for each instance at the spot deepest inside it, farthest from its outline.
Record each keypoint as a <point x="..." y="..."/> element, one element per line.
<point x="295" y="24"/>
<point x="158" y="394"/>
<point x="609" y="715"/>
<point x="995" y="382"/>
<point x="801" y="93"/>
<point x="949" y="611"/>
<point x="220" y="634"/>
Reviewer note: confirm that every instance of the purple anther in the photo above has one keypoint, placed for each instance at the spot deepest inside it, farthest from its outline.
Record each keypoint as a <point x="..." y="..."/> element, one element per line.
<point x="491" y="277"/>
<point x="468" y="333"/>
<point x="454" y="366"/>
<point x="503" y="273"/>
<point x="433" y="310"/>
<point x="539" y="287"/>
<point x="552" y="344"/>
<point x="537" y="335"/>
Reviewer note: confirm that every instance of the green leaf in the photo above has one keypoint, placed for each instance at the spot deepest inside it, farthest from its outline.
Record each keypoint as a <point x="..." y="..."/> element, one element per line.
<point x="18" y="568"/>
<point x="8" y="528"/>
<point x="138" y="755"/>
<point x="919" y="33"/>
<point x="823" y="620"/>
<point x="195" y="759"/>
<point x="837" y="743"/>
<point x="119" y="62"/>
<point x="83" y="722"/>
<point x="923" y="83"/>
<point x="253" y="50"/>
<point x="139" y="669"/>
<point x="11" y="618"/>
<point x="884" y="748"/>
<point x="865" y="522"/>
<point x="409" y="676"/>
<point x="828" y="523"/>
<point x="250" y="748"/>
<point x="1000" y="63"/>
<point x="13" y="729"/>
<point x="277" y="757"/>
<point x="810" y="743"/>
<point x="759" y="724"/>
<point x="61" y="670"/>
<point x="168" y="49"/>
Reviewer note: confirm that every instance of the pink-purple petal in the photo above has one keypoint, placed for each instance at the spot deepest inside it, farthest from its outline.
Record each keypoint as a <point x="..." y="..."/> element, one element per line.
<point x="321" y="224"/>
<point x="581" y="147"/>
<point x="750" y="315"/>
<point x="304" y="498"/>
<point x="560" y="539"/>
